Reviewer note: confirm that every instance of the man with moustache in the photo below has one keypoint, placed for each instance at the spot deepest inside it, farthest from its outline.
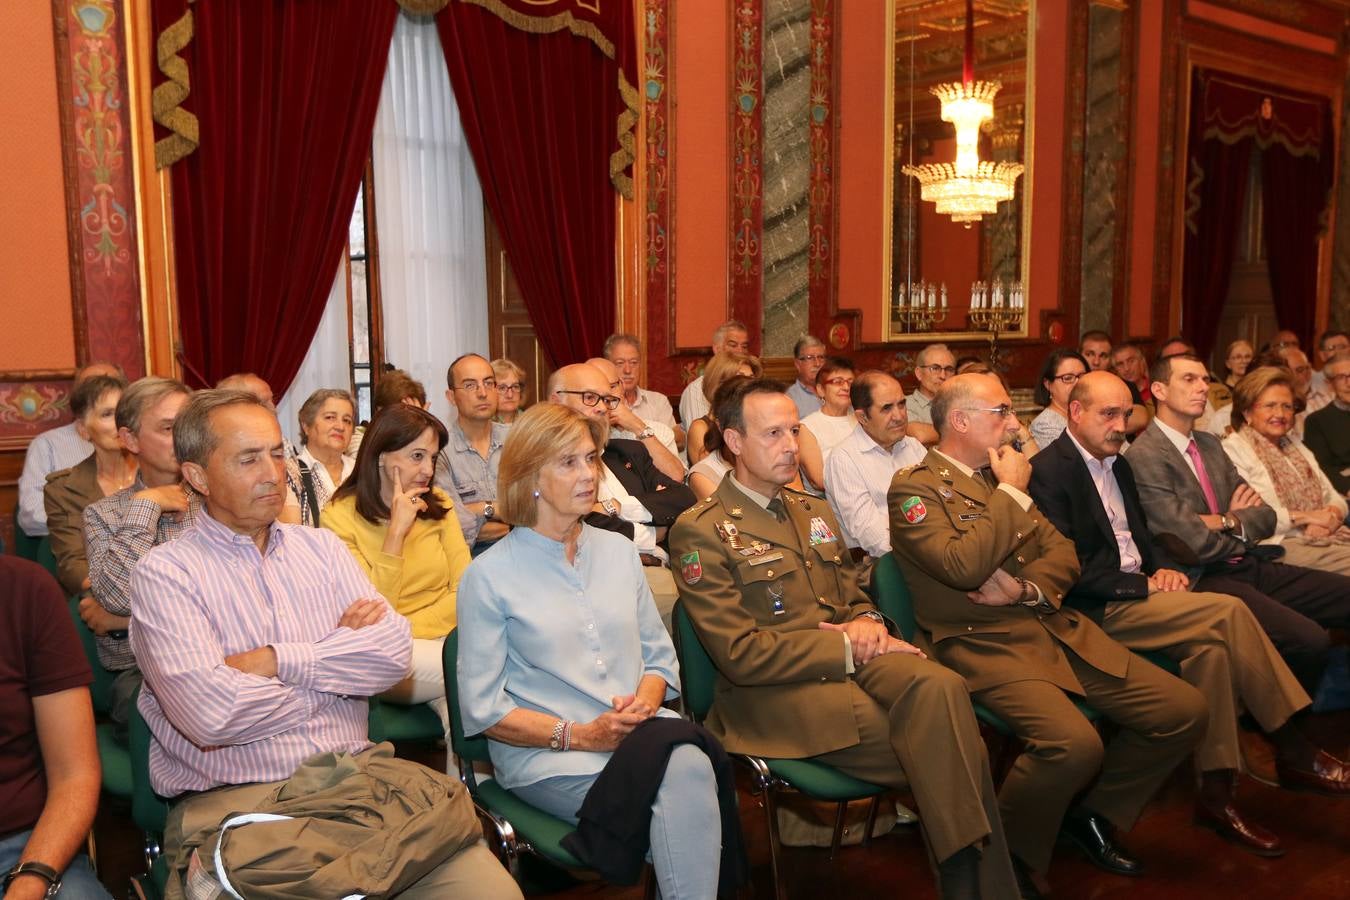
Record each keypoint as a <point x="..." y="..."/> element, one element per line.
<point x="1142" y="599"/>
<point x="260" y="644"/>
<point x="988" y="573"/>
<point x="806" y="667"/>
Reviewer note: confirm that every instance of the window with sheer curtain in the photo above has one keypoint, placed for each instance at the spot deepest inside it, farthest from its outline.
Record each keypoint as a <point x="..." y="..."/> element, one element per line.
<point x="428" y="225"/>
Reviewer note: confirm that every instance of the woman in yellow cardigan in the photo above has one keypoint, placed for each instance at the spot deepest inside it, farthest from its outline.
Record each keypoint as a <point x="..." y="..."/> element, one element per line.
<point x="401" y="530"/>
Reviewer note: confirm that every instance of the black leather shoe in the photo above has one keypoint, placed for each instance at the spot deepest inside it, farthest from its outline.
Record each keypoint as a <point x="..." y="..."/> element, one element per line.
<point x="1095" y="837"/>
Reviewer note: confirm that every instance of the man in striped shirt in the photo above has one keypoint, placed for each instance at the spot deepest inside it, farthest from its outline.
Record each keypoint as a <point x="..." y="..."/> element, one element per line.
<point x="260" y="642"/>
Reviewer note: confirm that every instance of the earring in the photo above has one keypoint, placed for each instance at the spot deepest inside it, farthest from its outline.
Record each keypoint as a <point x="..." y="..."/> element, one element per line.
<point x="536" y="495"/>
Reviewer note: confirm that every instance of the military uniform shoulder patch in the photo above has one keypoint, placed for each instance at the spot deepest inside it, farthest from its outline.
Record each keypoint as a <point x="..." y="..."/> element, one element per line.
<point x="691" y="569"/>
<point x="914" y="510"/>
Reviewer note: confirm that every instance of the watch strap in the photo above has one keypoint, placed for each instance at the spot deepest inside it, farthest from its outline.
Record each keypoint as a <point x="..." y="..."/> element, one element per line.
<point x="38" y="869"/>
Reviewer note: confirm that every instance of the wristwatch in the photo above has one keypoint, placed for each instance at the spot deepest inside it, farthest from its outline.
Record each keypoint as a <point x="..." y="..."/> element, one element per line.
<point x="646" y="433"/>
<point x="610" y="507"/>
<point x="1228" y="522"/>
<point x="555" y="741"/>
<point x="36" y="869"/>
<point x="489" y="511"/>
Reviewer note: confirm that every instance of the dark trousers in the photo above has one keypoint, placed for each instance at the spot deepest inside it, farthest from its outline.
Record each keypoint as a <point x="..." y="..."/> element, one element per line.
<point x="1294" y="605"/>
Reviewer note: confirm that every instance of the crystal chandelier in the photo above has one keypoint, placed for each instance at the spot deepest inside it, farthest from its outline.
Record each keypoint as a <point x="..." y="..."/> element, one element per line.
<point x="971" y="187"/>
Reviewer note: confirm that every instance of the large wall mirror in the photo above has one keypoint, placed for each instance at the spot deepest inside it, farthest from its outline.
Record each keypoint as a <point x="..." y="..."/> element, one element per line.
<point x="928" y="248"/>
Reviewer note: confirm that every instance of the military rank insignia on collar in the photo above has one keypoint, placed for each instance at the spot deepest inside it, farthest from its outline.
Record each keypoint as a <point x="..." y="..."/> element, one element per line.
<point x="914" y="510"/>
<point x="691" y="570"/>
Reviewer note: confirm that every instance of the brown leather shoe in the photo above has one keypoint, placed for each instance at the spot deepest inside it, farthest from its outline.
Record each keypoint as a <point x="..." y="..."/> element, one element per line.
<point x="1325" y="774"/>
<point x="1230" y="826"/>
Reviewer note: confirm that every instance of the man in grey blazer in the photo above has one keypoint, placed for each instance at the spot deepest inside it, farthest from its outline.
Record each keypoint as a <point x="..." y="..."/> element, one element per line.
<point x="1210" y="520"/>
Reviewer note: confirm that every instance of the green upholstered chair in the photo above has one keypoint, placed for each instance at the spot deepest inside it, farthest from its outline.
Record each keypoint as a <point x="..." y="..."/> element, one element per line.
<point x="25" y="545"/>
<point x="519" y="826"/>
<point x="396" y="722"/>
<point x="816" y="780"/>
<point x="113" y="756"/>
<point x="148" y="810"/>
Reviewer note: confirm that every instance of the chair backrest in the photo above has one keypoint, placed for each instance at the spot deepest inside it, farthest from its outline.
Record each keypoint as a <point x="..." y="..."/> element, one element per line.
<point x="469" y="749"/>
<point x="148" y="810"/>
<point x="101" y="690"/>
<point x="25" y="545"/>
<point x="45" y="556"/>
<point x="892" y="596"/>
<point x="697" y="673"/>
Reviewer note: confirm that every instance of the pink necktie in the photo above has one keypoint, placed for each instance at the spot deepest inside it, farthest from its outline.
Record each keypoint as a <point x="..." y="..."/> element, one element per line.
<point x="1203" y="477"/>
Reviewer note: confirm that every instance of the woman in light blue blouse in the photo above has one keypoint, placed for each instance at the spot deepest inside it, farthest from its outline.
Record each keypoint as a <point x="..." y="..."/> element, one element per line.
<point x="562" y="652"/>
<point x="1060" y="373"/>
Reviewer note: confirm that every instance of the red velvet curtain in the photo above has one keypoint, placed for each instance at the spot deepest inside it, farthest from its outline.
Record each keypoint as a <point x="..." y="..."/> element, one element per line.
<point x="1229" y="117"/>
<point x="285" y="92"/>
<point x="539" y="112"/>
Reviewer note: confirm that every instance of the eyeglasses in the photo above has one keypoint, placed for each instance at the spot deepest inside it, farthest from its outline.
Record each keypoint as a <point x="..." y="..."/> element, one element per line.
<point x="508" y="388"/>
<point x="1274" y="406"/>
<point x="471" y="387"/>
<point x="939" y="370"/>
<point x="1003" y="410"/>
<point x="839" y="382"/>
<point x="1343" y="376"/>
<point x="812" y="358"/>
<point x="1067" y="377"/>
<point x="590" y="398"/>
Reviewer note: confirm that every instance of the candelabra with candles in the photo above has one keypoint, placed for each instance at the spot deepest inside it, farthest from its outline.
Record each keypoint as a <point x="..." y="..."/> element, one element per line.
<point x="997" y="306"/>
<point x="918" y="306"/>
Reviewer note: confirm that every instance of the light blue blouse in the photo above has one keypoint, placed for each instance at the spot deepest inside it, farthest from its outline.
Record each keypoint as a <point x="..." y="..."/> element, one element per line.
<point x="536" y="632"/>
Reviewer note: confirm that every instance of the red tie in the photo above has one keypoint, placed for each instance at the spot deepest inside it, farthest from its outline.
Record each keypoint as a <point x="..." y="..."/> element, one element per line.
<point x="1203" y="477"/>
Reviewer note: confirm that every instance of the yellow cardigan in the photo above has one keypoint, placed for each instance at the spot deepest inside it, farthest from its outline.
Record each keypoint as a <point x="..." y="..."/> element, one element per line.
<point x="422" y="583"/>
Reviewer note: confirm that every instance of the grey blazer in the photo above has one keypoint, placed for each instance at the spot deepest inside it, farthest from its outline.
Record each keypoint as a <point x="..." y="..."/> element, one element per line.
<point x="1174" y="501"/>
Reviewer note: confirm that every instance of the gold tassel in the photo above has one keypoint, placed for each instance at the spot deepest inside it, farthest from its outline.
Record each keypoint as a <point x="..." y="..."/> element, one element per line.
<point x="167" y="98"/>
<point x="623" y="157"/>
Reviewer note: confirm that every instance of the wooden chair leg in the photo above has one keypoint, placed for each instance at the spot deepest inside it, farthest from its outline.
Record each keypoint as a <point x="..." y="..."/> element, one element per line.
<point x="871" y="820"/>
<point x="840" y="812"/>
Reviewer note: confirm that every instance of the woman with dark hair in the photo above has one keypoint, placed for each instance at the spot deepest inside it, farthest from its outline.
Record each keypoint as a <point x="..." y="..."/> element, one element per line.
<point x="1060" y="373"/>
<point x="398" y="527"/>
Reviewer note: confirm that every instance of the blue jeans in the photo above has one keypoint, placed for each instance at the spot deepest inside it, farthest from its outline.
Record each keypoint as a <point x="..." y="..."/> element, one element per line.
<point x="78" y="882"/>
<point x="686" y="830"/>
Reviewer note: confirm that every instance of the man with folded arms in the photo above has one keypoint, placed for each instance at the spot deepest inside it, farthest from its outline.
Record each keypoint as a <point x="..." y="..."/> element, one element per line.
<point x="859" y="471"/>
<point x="933" y="366"/>
<point x="1140" y="598"/>
<point x="989" y="573"/>
<point x="1210" y="519"/>
<point x="260" y="643"/>
<point x="625" y="352"/>
<point x="806" y="666"/>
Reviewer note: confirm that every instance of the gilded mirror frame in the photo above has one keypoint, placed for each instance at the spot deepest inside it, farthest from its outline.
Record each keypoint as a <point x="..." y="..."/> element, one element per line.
<point x="889" y="186"/>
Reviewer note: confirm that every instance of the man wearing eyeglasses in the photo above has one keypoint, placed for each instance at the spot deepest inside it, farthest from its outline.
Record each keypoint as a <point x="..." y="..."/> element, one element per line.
<point x="988" y="573"/>
<point x="731" y="336"/>
<point x="807" y="358"/>
<point x="1210" y="519"/>
<point x="933" y="366"/>
<point x="1331" y="344"/>
<point x="467" y="469"/>
<point x="625" y="351"/>
<point x="1327" y="431"/>
<point x="1140" y="597"/>
<point x="657" y="437"/>
<point x="632" y="488"/>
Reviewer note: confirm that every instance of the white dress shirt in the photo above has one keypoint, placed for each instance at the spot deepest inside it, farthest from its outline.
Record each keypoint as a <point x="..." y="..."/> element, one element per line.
<point x="653" y="408"/>
<point x="1103" y="476"/>
<point x="632" y="511"/>
<point x="857" y="476"/>
<point x="693" y="405"/>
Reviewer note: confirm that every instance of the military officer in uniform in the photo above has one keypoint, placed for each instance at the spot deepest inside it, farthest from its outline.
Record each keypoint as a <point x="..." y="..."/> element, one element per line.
<point x="806" y="665"/>
<point x="989" y="573"/>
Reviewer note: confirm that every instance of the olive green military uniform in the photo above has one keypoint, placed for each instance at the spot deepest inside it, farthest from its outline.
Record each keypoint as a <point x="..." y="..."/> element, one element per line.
<point x="757" y="589"/>
<point x="949" y="532"/>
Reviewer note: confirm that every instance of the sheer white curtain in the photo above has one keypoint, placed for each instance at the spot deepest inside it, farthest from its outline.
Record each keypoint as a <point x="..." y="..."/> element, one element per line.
<point x="429" y="215"/>
<point x="326" y="365"/>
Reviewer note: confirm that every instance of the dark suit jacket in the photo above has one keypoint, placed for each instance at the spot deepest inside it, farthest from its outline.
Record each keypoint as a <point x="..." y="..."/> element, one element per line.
<point x="664" y="497"/>
<point x="1174" y="500"/>
<point x="1063" y="489"/>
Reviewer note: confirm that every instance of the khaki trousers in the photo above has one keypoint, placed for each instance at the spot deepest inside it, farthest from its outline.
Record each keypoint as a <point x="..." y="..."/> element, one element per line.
<point x="1161" y="719"/>
<point x="1224" y="652"/>
<point x="917" y="731"/>
<point x="472" y="872"/>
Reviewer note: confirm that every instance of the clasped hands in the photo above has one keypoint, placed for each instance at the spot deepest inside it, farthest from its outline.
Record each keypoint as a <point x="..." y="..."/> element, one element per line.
<point x="869" y="639"/>
<point x="262" y="661"/>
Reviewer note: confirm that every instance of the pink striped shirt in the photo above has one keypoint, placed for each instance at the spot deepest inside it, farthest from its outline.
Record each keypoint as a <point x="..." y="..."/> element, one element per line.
<point x="210" y="594"/>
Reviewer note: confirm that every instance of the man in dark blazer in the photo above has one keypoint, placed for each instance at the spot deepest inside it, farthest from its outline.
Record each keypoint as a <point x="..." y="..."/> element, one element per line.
<point x="1140" y="598"/>
<point x="1210" y="519"/>
<point x="633" y="491"/>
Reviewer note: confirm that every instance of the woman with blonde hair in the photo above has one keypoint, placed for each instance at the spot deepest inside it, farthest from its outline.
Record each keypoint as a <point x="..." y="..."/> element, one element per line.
<point x="1309" y="512"/>
<point x="399" y="528"/>
<point x="721" y="367"/>
<point x="562" y="654"/>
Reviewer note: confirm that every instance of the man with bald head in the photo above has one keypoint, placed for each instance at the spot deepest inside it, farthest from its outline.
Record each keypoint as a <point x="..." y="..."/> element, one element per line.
<point x="658" y="438"/>
<point x="989" y="574"/>
<point x="1132" y="588"/>
<point x="51" y="451"/>
<point x="631" y="488"/>
<point x="467" y="468"/>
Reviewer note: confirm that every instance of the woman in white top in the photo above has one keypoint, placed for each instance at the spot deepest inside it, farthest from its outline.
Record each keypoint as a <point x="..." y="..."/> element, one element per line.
<point x="827" y="426"/>
<point x="327" y="420"/>
<point x="1309" y="513"/>
<point x="1060" y="373"/>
